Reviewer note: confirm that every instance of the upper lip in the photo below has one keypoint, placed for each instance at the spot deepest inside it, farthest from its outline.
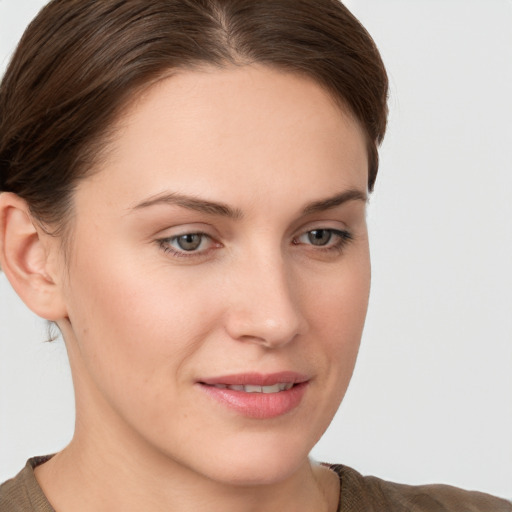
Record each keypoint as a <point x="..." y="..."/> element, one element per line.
<point x="257" y="379"/>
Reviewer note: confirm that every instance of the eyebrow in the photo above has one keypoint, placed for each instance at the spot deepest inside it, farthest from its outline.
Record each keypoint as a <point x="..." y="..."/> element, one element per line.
<point x="191" y="203"/>
<point x="334" y="201"/>
<point x="223" y="210"/>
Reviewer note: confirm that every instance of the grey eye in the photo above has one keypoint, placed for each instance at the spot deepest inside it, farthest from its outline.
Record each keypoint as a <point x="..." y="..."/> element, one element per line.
<point x="319" y="237"/>
<point x="189" y="242"/>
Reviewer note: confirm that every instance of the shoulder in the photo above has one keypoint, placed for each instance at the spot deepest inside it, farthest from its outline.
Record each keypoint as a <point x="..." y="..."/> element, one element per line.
<point x="368" y="493"/>
<point x="22" y="493"/>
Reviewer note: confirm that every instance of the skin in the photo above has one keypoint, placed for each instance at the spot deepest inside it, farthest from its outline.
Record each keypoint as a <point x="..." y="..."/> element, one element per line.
<point x="142" y="324"/>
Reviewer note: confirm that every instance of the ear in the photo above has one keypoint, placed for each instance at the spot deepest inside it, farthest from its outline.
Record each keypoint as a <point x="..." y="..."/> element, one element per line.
<point x="28" y="258"/>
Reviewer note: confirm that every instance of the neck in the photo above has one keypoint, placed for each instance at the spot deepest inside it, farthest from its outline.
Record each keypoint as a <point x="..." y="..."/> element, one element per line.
<point x="109" y="481"/>
<point x="110" y="469"/>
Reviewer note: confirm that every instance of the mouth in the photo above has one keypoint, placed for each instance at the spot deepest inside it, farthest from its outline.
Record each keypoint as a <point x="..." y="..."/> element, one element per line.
<point x="253" y="388"/>
<point x="257" y="396"/>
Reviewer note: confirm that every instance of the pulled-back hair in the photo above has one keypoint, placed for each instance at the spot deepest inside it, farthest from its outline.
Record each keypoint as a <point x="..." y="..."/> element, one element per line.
<point x="80" y="61"/>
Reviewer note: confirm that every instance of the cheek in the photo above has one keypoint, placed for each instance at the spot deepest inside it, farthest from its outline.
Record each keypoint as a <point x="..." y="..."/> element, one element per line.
<point x="134" y="325"/>
<point x="337" y="316"/>
<point x="340" y="301"/>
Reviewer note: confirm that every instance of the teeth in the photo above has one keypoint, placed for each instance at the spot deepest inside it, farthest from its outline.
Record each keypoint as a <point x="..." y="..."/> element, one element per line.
<point x="250" y="388"/>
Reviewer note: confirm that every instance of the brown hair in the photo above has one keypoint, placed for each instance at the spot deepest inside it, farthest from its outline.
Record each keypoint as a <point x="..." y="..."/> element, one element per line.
<point x="79" y="61"/>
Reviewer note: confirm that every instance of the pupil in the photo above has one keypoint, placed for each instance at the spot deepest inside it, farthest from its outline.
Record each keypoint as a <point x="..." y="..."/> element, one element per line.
<point x="319" y="236"/>
<point x="189" y="242"/>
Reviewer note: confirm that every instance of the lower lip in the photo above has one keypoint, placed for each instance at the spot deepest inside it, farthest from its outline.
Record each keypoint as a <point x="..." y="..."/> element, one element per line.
<point x="258" y="405"/>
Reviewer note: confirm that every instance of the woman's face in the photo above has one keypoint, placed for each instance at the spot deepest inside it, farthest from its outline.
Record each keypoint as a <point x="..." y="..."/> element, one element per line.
<point x="219" y="275"/>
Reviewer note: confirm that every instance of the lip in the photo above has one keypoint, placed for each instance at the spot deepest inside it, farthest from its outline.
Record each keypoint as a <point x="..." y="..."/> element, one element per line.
<point x="258" y="379"/>
<point x="257" y="405"/>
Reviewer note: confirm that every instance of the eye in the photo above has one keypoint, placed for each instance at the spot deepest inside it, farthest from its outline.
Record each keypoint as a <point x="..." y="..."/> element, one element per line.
<point x="190" y="241"/>
<point x="186" y="244"/>
<point x="327" y="239"/>
<point x="319" y="236"/>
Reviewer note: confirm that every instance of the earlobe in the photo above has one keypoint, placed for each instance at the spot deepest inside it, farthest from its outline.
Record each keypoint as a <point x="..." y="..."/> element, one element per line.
<point x="25" y="255"/>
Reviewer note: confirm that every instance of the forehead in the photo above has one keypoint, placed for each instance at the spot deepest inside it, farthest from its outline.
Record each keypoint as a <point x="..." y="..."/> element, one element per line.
<point x="212" y="128"/>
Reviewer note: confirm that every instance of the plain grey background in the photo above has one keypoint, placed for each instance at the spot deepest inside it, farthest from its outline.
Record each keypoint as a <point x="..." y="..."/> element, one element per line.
<point x="431" y="398"/>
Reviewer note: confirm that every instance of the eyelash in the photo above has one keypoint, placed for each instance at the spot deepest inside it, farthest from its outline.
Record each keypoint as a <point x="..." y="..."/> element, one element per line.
<point x="343" y="238"/>
<point x="164" y="244"/>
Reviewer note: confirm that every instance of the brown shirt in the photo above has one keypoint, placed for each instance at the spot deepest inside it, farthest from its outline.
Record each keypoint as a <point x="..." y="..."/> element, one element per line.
<point x="358" y="494"/>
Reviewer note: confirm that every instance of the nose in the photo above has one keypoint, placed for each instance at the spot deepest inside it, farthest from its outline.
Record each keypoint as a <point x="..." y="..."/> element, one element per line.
<point x="264" y="307"/>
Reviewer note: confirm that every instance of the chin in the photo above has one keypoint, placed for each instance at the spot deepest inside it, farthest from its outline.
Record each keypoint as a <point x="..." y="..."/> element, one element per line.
<point x="258" y="461"/>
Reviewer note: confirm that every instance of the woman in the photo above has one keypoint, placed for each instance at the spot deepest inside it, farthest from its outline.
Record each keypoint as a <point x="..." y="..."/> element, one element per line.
<point x="184" y="189"/>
